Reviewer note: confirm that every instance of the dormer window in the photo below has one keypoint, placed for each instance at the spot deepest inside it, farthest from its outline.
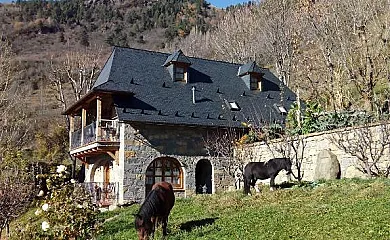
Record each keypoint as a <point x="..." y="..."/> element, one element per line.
<point x="255" y="83"/>
<point x="178" y="65"/>
<point x="251" y="74"/>
<point x="180" y="74"/>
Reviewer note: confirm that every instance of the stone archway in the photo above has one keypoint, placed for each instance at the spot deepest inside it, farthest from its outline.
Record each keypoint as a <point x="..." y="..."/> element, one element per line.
<point x="203" y="177"/>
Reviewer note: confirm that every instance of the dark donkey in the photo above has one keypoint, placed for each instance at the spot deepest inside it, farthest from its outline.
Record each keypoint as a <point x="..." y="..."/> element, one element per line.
<point x="264" y="170"/>
<point x="155" y="210"/>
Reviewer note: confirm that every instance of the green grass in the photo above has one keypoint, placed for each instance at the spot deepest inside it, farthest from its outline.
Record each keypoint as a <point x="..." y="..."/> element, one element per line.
<point x="342" y="209"/>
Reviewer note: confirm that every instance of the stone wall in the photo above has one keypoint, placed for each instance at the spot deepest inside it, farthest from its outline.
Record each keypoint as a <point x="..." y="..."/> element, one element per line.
<point x="312" y="146"/>
<point x="144" y="143"/>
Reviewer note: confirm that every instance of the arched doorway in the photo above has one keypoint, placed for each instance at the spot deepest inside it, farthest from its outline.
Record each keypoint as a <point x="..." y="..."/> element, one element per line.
<point x="165" y="169"/>
<point x="203" y="177"/>
<point x="101" y="171"/>
<point x="100" y="184"/>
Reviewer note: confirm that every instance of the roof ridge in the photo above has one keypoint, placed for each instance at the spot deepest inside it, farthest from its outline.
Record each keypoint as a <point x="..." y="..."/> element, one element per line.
<point x="167" y="53"/>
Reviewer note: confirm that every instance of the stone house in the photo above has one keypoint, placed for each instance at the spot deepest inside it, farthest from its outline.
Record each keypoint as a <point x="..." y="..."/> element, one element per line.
<point x="148" y="114"/>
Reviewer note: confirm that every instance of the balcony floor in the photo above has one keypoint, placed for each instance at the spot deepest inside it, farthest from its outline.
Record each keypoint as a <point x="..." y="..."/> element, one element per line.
<point x="94" y="148"/>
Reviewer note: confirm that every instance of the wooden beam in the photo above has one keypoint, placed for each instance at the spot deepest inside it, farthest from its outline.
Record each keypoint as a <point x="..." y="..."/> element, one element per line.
<point x="83" y="124"/>
<point x="114" y="156"/>
<point x="98" y="117"/>
<point x="71" y="130"/>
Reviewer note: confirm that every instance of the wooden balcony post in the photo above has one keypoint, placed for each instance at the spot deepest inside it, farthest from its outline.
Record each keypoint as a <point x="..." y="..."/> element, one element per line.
<point x="98" y="117"/>
<point x="83" y="123"/>
<point x="71" y="129"/>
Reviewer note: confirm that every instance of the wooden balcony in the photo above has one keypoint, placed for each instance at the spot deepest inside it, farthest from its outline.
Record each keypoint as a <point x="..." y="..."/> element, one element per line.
<point x="97" y="137"/>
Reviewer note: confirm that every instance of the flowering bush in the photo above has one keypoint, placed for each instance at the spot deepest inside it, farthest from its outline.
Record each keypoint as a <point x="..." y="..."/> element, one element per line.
<point x="66" y="212"/>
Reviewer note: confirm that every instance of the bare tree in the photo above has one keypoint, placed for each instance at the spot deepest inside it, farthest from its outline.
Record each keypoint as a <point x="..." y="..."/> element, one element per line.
<point x="368" y="144"/>
<point x="74" y="75"/>
<point x="277" y="35"/>
<point x="344" y="50"/>
<point x="13" y="120"/>
<point x="220" y="143"/>
<point x="197" y="44"/>
<point x="16" y="189"/>
<point x="293" y="147"/>
<point x="236" y="36"/>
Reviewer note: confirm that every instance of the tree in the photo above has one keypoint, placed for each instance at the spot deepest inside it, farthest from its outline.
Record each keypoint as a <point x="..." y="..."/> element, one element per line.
<point x="367" y="143"/>
<point x="344" y="50"/>
<point x="14" y="124"/>
<point x="220" y="144"/>
<point x="84" y="38"/>
<point x="16" y="188"/>
<point x="293" y="147"/>
<point x="76" y="72"/>
<point x="278" y="35"/>
<point x="236" y="36"/>
<point x="197" y="44"/>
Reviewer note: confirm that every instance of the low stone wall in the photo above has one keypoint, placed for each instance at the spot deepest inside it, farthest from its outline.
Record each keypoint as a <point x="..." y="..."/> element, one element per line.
<point x="311" y="146"/>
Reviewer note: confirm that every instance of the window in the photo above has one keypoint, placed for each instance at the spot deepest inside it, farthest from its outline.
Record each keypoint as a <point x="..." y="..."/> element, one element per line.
<point x="165" y="169"/>
<point x="255" y="83"/>
<point x="282" y="110"/>
<point x="234" y="106"/>
<point x="179" y="74"/>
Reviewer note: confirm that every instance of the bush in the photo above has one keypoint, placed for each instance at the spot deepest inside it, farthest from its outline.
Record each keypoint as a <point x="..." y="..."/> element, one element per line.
<point x="66" y="211"/>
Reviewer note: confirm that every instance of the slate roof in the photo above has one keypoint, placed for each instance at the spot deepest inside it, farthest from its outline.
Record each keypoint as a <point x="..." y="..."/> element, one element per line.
<point x="250" y="67"/>
<point x="177" y="56"/>
<point x="155" y="98"/>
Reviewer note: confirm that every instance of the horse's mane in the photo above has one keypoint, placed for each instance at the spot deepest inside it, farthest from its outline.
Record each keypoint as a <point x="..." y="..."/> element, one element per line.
<point x="151" y="204"/>
<point x="276" y="162"/>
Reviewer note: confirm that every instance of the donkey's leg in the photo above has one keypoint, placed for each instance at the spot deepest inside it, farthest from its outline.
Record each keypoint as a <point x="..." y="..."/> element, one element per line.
<point x="247" y="186"/>
<point x="154" y="225"/>
<point x="255" y="186"/>
<point x="272" y="183"/>
<point x="164" y="225"/>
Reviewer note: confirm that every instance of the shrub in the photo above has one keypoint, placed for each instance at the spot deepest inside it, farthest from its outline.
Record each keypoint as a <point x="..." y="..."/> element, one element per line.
<point x="66" y="211"/>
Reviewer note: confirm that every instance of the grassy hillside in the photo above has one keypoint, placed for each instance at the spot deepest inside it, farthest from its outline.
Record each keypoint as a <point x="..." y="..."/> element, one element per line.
<point x="343" y="209"/>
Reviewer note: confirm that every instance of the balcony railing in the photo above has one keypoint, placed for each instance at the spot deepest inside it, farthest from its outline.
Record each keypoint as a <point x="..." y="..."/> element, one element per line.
<point x="102" y="193"/>
<point x="108" y="132"/>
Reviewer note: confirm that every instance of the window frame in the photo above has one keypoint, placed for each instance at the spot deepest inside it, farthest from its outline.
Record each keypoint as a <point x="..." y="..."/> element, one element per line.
<point x="255" y="82"/>
<point x="163" y="164"/>
<point x="180" y="73"/>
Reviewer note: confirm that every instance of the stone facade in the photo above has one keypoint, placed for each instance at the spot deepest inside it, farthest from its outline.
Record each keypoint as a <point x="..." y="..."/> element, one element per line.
<point x="141" y="144"/>
<point x="311" y="146"/>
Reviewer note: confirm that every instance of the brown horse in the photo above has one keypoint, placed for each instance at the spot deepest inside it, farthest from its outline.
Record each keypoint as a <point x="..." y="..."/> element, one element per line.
<point x="155" y="210"/>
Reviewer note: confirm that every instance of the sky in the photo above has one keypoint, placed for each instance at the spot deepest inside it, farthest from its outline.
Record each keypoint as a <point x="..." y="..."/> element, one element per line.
<point x="225" y="3"/>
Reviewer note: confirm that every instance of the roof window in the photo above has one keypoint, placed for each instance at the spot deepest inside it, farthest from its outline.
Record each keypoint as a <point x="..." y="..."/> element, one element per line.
<point x="281" y="109"/>
<point x="234" y="106"/>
